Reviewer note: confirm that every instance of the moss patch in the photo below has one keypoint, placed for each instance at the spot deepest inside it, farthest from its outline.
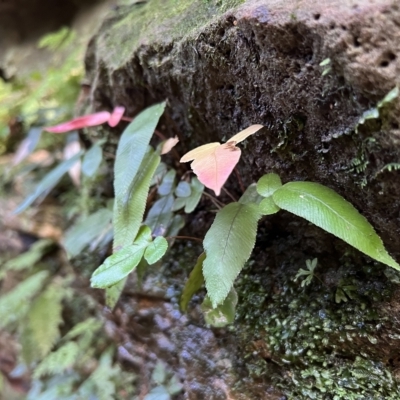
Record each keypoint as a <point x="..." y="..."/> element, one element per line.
<point x="313" y="343"/>
<point x="161" y="21"/>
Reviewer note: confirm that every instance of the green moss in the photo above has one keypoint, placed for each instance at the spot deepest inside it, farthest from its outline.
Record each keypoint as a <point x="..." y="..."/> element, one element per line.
<point x="314" y="348"/>
<point x="155" y="21"/>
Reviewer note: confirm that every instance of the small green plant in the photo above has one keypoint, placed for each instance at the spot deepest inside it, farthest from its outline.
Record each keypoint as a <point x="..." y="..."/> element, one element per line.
<point x="307" y="273"/>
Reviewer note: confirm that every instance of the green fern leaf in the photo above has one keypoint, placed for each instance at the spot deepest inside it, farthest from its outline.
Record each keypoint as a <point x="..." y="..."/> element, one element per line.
<point x="228" y="245"/>
<point x="330" y="211"/>
<point x="15" y="304"/>
<point x="85" y="232"/>
<point x="132" y="148"/>
<point x="128" y="215"/>
<point x="44" y="319"/>
<point x="194" y="283"/>
<point x="48" y="182"/>
<point x="58" y="361"/>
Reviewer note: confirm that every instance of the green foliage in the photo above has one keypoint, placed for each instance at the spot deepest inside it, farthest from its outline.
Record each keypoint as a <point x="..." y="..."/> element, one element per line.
<point x="374" y="113"/>
<point x="58" y="361"/>
<point x="41" y="331"/>
<point x="155" y="250"/>
<point x="326" y="63"/>
<point x="15" y="304"/>
<point x="28" y="259"/>
<point x="228" y="245"/>
<point x="224" y="313"/>
<point x="194" y="283"/>
<point x="48" y="182"/>
<point x="131" y="150"/>
<point x="128" y="212"/>
<point x="123" y="262"/>
<point x="326" y="350"/>
<point x="92" y="160"/>
<point x="331" y="212"/>
<point x="167" y="385"/>
<point x="308" y="273"/>
<point x="268" y="184"/>
<point x="87" y="231"/>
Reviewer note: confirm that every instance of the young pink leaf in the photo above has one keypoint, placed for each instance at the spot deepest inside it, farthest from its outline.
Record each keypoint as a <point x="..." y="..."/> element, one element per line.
<point x="214" y="162"/>
<point x="116" y="116"/>
<point x="81" y="122"/>
<point x="214" y="169"/>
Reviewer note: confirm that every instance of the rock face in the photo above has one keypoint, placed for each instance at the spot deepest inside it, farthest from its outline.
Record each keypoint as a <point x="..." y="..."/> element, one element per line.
<point x="224" y="65"/>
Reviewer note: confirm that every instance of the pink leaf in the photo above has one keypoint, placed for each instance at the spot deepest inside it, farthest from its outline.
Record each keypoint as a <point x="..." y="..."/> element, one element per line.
<point x="81" y="122"/>
<point x="214" y="169"/>
<point x="116" y="116"/>
<point x="214" y="162"/>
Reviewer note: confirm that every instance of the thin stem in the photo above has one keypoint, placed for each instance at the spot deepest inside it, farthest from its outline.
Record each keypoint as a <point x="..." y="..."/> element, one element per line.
<point x="239" y="178"/>
<point x="127" y="119"/>
<point x="217" y="203"/>
<point x="185" y="237"/>
<point x="229" y="194"/>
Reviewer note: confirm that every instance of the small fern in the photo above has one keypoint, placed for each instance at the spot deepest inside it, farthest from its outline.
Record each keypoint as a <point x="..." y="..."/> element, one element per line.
<point x="15" y="304"/>
<point x="58" y="361"/>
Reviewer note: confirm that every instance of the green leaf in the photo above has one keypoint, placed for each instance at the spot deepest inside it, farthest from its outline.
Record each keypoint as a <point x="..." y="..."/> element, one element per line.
<point x="159" y="174"/>
<point x="29" y="258"/>
<point x="43" y="320"/>
<point x="155" y="250"/>
<point x="159" y="374"/>
<point x="120" y="264"/>
<point x="88" y="325"/>
<point x="193" y="284"/>
<point x="158" y="393"/>
<point x="132" y="148"/>
<point x="228" y="245"/>
<point x="250" y="195"/>
<point x="222" y="315"/>
<point x="48" y="182"/>
<point x="84" y="232"/>
<point x="179" y="203"/>
<point x="183" y="189"/>
<point x="328" y="210"/>
<point x="160" y="215"/>
<point x="268" y="183"/>
<point x="325" y="62"/>
<point x="373" y="113"/>
<point x="167" y="184"/>
<point x="197" y="191"/>
<point x="177" y="223"/>
<point x="92" y="160"/>
<point x="15" y="304"/>
<point x="58" y="361"/>
<point x="267" y="206"/>
<point x="393" y="94"/>
<point x="128" y="216"/>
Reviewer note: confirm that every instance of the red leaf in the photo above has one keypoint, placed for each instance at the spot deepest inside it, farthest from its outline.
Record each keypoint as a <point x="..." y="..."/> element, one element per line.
<point x="116" y="116"/>
<point x="81" y="122"/>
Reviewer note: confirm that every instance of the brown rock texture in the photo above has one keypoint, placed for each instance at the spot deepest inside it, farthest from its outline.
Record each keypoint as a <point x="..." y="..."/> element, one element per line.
<point x="259" y="63"/>
<point x="224" y="65"/>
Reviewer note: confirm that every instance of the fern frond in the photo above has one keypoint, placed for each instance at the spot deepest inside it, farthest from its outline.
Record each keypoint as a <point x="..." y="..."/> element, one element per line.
<point x="58" y="361"/>
<point x="15" y="304"/>
<point x="43" y="321"/>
